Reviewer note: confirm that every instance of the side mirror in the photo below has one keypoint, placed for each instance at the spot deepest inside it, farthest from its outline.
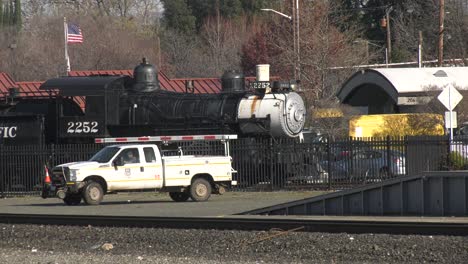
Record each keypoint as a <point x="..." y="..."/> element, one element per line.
<point x="116" y="163"/>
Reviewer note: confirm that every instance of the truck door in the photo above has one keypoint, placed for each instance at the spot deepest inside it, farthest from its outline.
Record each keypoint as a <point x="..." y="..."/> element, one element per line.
<point x="153" y="173"/>
<point x="130" y="169"/>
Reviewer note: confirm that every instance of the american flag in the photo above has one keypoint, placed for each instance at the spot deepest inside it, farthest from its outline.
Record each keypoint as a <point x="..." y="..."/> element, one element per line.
<point x="74" y="34"/>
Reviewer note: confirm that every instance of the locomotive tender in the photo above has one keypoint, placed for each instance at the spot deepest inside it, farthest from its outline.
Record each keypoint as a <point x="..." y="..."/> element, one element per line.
<point x="119" y="106"/>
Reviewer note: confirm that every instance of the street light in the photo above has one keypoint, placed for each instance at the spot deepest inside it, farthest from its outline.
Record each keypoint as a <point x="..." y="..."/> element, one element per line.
<point x="297" y="69"/>
<point x="277" y="12"/>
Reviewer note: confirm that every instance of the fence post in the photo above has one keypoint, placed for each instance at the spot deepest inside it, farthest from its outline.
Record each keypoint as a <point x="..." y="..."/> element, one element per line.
<point x="2" y="179"/>
<point x="405" y="153"/>
<point x="388" y="155"/>
<point x="329" y="163"/>
<point x="270" y="146"/>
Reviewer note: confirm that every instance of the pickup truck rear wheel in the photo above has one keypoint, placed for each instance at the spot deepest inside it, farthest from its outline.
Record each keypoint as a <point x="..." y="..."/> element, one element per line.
<point x="93" y="193"/>
<point x="200" y="190"/>
<point x="179" y="196"/>
<point x="72" y="199"/>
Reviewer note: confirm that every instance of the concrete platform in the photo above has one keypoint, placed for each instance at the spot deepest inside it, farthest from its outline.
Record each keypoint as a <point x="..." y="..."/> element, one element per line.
<point x="154" y="204"/>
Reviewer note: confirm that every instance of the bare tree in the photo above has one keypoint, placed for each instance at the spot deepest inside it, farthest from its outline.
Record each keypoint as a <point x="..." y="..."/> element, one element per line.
<point x="38" y="52"/>
<point x="144" y="11"/>
<point x="418" y="15"/>
<point x="209" y="54"/>
<point x="323" y="46"/>
<point x="223" y="39"/>
<point x="183" y="54"/>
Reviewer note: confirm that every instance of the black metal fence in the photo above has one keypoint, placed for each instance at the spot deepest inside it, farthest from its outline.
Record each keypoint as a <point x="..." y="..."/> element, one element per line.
<point x="266" y="164"/>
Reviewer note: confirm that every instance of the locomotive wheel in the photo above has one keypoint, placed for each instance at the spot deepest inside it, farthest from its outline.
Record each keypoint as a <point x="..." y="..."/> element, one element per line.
<point x="93" y="193"/>
<point x="72" y="199"/>
<point x="200" y="190"/>
<point x="179" y="196"/>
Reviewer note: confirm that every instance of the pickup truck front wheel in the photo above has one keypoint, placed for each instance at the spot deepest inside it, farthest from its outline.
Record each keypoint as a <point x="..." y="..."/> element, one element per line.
<point x="179" y="196"/>
<point x="200" y="190"/>
<point x="93" y="193"/>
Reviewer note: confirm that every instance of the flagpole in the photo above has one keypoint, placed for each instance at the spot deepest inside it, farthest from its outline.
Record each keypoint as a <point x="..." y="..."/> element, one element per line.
<point x="67" y="58"/>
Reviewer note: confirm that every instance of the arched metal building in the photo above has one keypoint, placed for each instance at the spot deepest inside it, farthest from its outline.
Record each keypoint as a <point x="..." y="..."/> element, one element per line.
<point x="400" y="90"/>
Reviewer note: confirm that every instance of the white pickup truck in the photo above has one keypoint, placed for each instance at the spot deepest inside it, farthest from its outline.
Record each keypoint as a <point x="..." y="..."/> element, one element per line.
<point x="137" y="167"/>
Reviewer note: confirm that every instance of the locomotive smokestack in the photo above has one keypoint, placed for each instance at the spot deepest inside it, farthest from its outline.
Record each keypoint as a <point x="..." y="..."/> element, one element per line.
<point x="146" y="77"/>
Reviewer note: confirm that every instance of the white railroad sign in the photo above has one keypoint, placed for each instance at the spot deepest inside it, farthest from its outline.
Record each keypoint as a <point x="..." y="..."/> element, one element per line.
<point x="450" y="97"/>
<point x="451" y="119"/>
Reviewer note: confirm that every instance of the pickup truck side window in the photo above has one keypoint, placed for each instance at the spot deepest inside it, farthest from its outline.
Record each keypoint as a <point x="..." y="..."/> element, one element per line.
<point x="149" y="155"/>
<point x="128" y="156"/>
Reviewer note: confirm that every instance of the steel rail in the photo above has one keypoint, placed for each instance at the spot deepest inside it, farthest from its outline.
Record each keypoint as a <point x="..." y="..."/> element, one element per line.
<point x="246" y="223"/>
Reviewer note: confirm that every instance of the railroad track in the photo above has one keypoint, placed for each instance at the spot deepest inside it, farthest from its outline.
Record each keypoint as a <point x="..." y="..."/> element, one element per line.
<point x="338" y="225"/>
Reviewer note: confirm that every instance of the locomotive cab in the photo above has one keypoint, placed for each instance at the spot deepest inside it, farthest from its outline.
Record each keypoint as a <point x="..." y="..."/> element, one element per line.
<point x="101" y="95"/>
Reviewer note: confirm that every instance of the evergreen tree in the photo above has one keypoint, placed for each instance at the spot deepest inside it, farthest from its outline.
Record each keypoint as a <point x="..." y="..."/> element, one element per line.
<point x="230" y="8"/>
<point x="6" y="14"/>
<point x="178" y="16"/>
<point x="202" y="9"/>
<point x="17" y="20"/>
<point x="254" y="6"/>
<point x="1" y="13"/>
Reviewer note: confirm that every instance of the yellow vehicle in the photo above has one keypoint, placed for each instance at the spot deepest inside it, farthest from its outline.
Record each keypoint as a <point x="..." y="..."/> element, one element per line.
<point x="381" y="125"/>
<point x="396" y="125"/>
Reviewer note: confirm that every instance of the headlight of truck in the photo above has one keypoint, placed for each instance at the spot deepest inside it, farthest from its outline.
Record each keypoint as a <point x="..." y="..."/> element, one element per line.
<point x="73" y="174"/>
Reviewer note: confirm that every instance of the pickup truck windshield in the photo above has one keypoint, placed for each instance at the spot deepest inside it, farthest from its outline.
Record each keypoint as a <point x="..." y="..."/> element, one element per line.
<point x="105" y="154"/>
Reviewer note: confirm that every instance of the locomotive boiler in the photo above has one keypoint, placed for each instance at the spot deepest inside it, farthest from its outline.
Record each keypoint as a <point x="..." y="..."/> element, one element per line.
<point x="119" y="106"/>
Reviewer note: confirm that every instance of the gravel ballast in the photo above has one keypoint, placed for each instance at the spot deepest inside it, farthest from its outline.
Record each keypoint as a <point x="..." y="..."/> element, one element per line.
<point x="73" y="244"/>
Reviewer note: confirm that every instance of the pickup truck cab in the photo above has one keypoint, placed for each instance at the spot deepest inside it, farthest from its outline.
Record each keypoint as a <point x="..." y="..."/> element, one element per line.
<point x="137" y="167"/>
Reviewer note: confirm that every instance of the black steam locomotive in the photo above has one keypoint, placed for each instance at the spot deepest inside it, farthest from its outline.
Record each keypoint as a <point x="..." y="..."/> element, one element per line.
<point x="118" y="106"/>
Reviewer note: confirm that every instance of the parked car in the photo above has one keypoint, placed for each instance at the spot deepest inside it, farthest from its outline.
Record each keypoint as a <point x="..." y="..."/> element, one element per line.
<point x="338" y="149"/>
<point x="309" y="174"/>
<point x="368" y="165"/>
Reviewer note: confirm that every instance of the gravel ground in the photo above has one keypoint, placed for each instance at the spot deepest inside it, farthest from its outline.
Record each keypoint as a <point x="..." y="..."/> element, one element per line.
<point x="62" y="244"/>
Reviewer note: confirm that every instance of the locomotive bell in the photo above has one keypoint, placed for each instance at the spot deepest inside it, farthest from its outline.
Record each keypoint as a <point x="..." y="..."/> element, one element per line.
<point x="146" y="77"/>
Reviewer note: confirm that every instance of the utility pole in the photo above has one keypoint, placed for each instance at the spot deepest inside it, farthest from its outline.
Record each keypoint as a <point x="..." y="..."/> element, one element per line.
<point x="420" y="49"/>
<point x="441" y="31"/>
<point x="293" y="18"/>
<point x="389" y="36"/>
<point x="298" y="42"/>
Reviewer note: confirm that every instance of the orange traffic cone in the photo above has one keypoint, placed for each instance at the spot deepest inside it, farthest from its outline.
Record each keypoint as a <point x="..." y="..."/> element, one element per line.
<point x="47" y="176"/>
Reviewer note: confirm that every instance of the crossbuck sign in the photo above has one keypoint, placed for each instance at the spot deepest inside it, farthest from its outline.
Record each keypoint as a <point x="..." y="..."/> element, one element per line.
<point x="450" y="97"/>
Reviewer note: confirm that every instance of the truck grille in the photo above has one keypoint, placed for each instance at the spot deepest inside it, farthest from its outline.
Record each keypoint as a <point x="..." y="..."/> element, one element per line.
<point x="60" y="175"/>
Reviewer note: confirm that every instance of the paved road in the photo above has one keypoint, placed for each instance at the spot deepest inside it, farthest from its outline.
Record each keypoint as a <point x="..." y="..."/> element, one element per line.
<point x="154" y="204"/>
